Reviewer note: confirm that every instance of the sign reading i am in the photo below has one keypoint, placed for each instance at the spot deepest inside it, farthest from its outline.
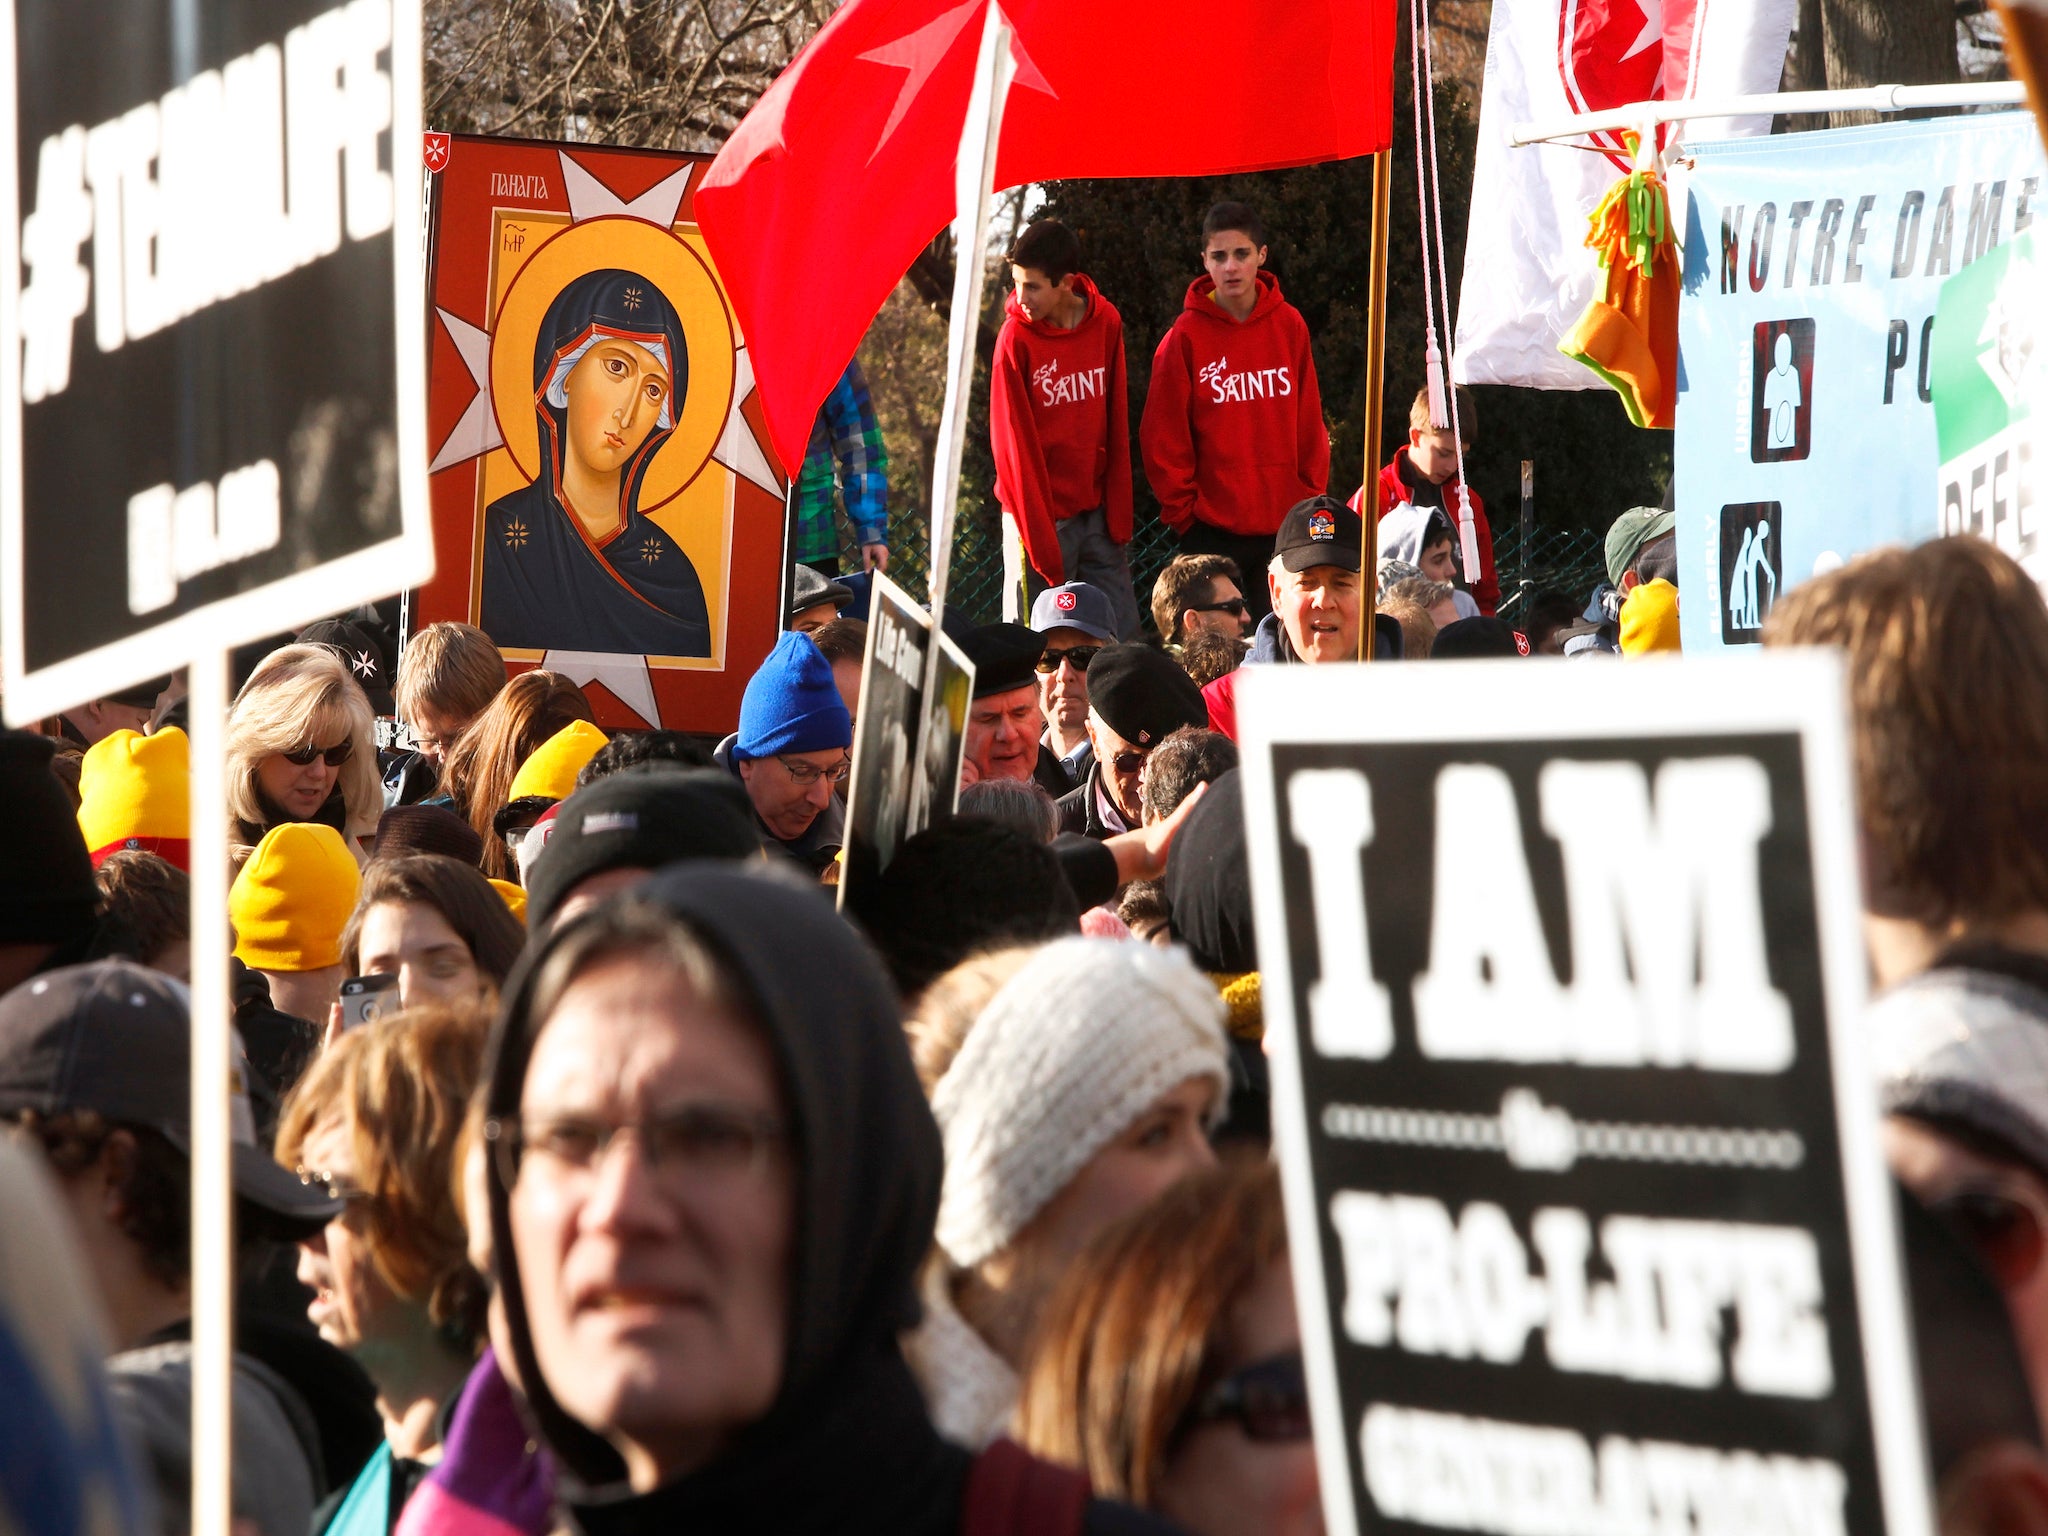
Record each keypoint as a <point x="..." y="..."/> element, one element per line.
<point x="1590" y="1226"/>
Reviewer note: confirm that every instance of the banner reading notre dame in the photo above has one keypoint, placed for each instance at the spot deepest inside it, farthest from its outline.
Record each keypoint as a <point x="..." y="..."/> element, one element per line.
<point x="1590" y="1227"/>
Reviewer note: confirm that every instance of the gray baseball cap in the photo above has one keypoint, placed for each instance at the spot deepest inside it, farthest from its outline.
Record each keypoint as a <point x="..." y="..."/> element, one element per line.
<point x="1968" y="1047"/>
<point x="1075" y="605"/>
<point x="116" y="1038"/>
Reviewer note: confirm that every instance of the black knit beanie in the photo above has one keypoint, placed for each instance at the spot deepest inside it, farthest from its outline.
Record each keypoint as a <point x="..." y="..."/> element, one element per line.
<point x="47" y="895"/>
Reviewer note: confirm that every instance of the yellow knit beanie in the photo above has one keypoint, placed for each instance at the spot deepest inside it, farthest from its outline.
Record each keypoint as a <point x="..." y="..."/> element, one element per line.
<point x="293" y="898"/>
<point x="134" y="792"/>
<point x="1649" y="619"/>
<point x="552" y="769"/>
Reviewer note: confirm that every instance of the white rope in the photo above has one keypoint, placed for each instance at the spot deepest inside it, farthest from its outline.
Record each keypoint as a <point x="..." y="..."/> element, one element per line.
<point x="1432" y="355"/>
<point x="1468" y="535"/>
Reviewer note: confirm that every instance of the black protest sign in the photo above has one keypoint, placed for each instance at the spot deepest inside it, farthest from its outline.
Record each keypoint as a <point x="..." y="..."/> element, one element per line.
<point x="906" y="749"/>
<point x="211" y="378"/>
<point x="1586" y="1234"/>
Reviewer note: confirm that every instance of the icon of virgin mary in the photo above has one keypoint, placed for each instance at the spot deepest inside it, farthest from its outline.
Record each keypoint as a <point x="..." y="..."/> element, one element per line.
<point x="570" y="562"/>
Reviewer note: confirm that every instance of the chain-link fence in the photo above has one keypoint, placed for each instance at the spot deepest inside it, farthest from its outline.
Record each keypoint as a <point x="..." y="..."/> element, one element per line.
<point x="1567" y="560"/>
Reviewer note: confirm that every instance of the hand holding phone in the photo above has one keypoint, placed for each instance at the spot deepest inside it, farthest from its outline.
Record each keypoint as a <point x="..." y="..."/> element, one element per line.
<point x="364" y="998"/>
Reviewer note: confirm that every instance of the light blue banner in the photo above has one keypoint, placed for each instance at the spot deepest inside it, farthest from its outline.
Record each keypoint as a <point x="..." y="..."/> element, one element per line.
<point x="1813" y="268"/>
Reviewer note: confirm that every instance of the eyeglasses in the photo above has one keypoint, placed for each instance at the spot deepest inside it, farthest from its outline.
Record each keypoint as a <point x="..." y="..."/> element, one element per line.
<point x="1075" y="656"/>
<point x="1236" y="607"/>
<point x="334" y="1186"/>
<point x="804" y="775"/>
<point x="333" y="756"/>
<point x="1269" y="1398"/>
<point x="2003" y="1221"/>
<point x="683" y="1145"/>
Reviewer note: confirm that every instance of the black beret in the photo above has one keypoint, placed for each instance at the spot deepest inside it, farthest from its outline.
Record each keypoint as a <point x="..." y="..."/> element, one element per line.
<point x="1463" y="638"/>
<point x="1143" y="694"/>
<point x="642" y="817"/>
<point x="1005" y="657"/>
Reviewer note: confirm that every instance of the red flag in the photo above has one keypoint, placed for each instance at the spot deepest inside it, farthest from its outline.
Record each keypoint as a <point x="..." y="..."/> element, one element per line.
<point x="843" y="171"/>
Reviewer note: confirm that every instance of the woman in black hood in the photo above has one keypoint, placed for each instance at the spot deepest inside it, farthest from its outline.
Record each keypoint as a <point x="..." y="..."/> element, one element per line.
<point x="706" y="1326"/>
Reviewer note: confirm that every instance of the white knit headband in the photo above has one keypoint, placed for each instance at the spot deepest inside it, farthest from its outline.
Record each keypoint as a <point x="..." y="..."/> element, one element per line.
<point x="1080" y="1043"/>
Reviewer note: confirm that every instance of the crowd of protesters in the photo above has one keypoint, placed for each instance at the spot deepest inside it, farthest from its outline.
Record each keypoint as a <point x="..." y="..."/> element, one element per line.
<point x="594" y="1170"/>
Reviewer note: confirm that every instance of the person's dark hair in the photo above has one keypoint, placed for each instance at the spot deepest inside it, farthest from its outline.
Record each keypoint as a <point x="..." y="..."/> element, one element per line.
<point x="1210" y="655"/>
<point x="842" y="640"/>
<point x="1188" y="582"/>
<point x="1658" y="559"/>
<point x="1143" y="908"/>
<point x="458" y="892"/>
<point x="1187" y="757"/>
<point x="1226" y="216"/>
<point x="960" y="887"/>
<point x="629" y="749"/>
<point x="485" y="759"/>
<point x="152" y="1181"/>
<point x="1437" y="531"/>
<point x="1018" y="803"/>
<point x="145" y="906"/>
<point x="1047" y="246"/>
<point x="1549" y="612"/>
<point x="65" y="768"/>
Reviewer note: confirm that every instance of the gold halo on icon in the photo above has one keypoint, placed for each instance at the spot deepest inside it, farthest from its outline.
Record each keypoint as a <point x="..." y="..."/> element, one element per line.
<point x="631" y="245"/>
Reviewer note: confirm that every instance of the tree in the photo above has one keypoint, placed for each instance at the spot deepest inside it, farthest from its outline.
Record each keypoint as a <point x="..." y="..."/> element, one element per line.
<point x="657" y="74"/>
<point x="1841" y="44"/>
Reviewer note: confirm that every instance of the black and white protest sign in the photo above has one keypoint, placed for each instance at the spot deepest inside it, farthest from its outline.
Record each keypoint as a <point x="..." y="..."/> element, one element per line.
<point x="1591" y="1231"/>
<point x="211" y="377"/>
<point x="906" y="749"/>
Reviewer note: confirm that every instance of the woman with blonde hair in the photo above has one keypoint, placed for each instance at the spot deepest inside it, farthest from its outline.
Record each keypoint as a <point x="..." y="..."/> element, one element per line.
<point x="1073" y="1084"/>
<point x="302" y="747"/>
<point x="486" y="757"/>
<point x="377" y="1121"/>
<point x="1168" y="1364"/>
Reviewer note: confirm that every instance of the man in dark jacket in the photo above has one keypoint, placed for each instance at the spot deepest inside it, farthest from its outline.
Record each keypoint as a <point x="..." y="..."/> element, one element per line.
<point x="1137" y="697"/>
<point x="1005" y="724"/>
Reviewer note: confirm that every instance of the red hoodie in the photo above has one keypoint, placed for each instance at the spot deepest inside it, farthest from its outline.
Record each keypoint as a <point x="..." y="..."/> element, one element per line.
<point x="1233" y="433"/>
<point x="1059" y="425"/>
<point x="1399" y="481"/>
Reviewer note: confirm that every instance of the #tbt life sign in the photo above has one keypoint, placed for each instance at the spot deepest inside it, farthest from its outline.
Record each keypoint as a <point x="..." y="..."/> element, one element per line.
<point x="1591" y="1231"/>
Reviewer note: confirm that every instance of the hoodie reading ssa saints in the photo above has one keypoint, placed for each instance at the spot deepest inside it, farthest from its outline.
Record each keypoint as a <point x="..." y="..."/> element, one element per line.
<point x="1059" y="426"/>
<point x="1233" y="431"/>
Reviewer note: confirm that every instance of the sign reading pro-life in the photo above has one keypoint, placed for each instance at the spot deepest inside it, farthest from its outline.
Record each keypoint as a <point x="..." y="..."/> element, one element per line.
<point x="1814" y="263"/>
<point x="1590" y="1228"/>
<point x="211" y="414"/>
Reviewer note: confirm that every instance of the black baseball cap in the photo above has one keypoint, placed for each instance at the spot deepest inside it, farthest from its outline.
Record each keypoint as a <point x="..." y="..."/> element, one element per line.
<point x="115" y="1038"/>
<point x="643" y="817"/>
<point x="362" y="653"/>
<point x="1320" y="531"/>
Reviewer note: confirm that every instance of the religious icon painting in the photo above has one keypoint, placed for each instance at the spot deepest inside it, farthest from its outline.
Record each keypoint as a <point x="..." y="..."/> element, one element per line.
<point x="605" y="501"/>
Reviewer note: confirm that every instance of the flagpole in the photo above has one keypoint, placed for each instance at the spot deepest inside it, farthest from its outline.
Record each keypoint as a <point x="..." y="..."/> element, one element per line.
<point x="1375" y="396"/>
<point x="973" y="180"/>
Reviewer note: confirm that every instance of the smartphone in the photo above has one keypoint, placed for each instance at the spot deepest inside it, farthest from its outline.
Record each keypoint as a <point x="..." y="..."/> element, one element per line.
<point x="364" y="998"/>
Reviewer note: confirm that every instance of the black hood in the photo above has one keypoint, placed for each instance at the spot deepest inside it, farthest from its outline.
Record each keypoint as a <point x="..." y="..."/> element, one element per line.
<point x="866" y="1147"/>
<point x="1209" y="882"/>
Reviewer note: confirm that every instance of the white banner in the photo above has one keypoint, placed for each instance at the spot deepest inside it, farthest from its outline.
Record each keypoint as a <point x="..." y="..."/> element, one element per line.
<point x="1528" y="273"/>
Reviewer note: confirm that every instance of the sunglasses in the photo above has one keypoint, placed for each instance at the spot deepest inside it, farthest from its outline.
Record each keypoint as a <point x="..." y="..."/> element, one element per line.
<point x="333" y="756"/>
<point x="2003" y="1222"/>
<point x="1075" y="656"/>
<point x="1268" y="1398"/>
<point x="1129" y="762"/>
<point x="1236" y="607"/>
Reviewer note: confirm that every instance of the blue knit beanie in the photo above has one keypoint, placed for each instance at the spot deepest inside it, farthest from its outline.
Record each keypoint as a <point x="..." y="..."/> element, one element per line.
<point x="792" y="704"/>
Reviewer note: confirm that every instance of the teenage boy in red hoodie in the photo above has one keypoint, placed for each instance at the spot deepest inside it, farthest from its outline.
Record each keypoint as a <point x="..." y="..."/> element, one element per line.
<point x="1425" y="474"/>
<point x="1233" y="432"/>
<point x="1059" y="422"/>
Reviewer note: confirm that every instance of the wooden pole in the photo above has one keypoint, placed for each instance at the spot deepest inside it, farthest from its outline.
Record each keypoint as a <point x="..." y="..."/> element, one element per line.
<point x="1375" y="396"/>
